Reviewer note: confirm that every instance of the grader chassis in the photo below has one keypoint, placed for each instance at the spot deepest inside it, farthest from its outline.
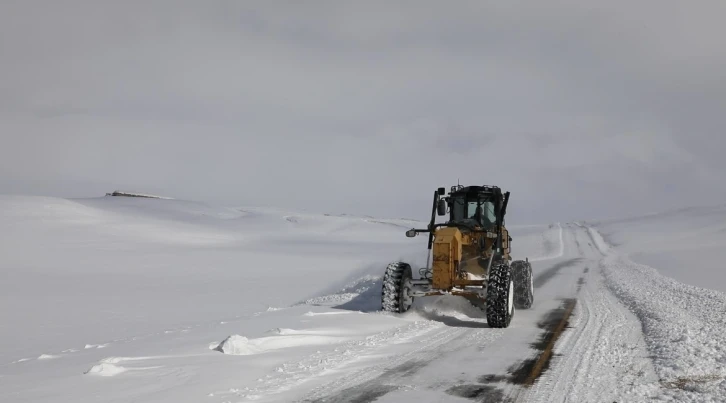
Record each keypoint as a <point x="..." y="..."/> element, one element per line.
<point x="469" y="256"/>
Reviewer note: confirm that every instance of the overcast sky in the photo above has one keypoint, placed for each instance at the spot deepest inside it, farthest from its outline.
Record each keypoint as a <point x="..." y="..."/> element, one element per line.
<point x="580" y="109"/>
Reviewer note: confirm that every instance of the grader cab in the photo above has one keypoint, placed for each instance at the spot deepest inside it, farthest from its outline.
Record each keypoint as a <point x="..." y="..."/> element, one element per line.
<point x="469" y="255"/>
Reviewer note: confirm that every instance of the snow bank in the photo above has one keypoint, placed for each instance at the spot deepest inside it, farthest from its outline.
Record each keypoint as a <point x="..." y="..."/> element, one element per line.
<point x="683" y="327"/>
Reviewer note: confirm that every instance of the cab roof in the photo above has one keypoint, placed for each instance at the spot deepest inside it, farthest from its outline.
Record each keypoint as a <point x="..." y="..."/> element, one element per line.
<point x="492" y="190"/>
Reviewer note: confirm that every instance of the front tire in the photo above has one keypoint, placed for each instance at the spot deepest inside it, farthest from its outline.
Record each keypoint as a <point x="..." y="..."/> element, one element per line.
<point x="396" y="287"/>
<point x="500" y="296"/>
<point x="523" y="288"/>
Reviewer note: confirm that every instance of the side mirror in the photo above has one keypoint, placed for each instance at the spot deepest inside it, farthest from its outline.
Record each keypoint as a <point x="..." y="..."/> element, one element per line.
<point x="411" y="233"/>
<point x="442" y="191"/>
<point x="441" y="208"/>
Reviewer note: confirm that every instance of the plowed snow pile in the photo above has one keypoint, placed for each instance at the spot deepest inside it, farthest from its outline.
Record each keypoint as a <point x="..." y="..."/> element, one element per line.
<point x="236" y="345"/>
<point x="684" y="325"/>
<point x="688" y="245"/>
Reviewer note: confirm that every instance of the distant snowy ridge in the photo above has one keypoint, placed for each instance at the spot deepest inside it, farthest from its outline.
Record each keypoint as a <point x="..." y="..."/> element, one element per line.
<point x="135" y="194"/>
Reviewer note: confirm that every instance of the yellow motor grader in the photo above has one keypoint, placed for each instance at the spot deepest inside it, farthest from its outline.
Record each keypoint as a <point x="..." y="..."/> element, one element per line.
<point x="469" y="255"/>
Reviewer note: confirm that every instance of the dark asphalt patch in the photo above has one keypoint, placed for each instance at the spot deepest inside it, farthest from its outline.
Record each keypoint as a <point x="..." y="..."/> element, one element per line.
<point x="547" y="275"/>
<point x="580" y="282"/>
<point x="480" y="393"/>
<point x="587" y="269"/>
<point x="405" y="370"/>
<point x="493" y="378"/>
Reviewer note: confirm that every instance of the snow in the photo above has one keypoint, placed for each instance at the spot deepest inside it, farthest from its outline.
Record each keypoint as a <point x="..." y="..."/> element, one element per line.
<point x="240" y="345"/>
<point x="684" y="327"/>
<point x="105" y="369"/>
<point x="552" y="245"/>
<point x="686" y="244"/>
<point x="683" y="324"/>
<point x="124" y="268"/>
<point x="120" y="299"/>
<point x="237" y="345"/>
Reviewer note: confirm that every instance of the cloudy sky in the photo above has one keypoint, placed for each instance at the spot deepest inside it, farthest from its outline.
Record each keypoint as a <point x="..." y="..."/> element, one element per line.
<point x="580" y="109"/>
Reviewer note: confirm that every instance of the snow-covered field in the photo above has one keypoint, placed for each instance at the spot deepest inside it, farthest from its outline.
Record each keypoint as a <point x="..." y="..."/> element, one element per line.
<point x="688" y="245"/>
<point x="127" y="299"/>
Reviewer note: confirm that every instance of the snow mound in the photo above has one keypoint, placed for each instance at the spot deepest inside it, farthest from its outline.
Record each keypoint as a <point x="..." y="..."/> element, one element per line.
<point x="237" y="345"/>
<point x="282" y="338"/>
<point x="283" y="331"/>
<point x="106" y="369"/>
<point x="47" y="357"/>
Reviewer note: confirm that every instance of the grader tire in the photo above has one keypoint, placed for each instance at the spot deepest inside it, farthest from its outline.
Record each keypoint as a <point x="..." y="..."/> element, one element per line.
<point x="523" y="288"/>
<point x="396" y="286"/>
<point x="500" y="296"/>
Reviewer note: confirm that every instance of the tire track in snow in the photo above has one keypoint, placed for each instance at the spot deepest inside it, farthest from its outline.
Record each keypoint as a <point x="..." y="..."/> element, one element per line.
<point x="605" y="353"/>
<point x="554" y="324"/>
<point x="374" y="381"/>
<point x="370" y="383"/>
<point x="602" y="358"/>
<point x="549" y="273"/>
<point x="294" y="373"/>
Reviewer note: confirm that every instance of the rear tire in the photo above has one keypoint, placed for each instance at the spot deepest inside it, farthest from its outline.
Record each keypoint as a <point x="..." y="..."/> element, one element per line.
<point x="396" y="287"/>
<point x="500" y="296"/>
<point x="523" y="288"/>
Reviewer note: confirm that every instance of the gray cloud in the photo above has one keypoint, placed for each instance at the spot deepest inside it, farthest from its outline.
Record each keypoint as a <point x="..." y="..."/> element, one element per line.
<point x="581" y="110"/>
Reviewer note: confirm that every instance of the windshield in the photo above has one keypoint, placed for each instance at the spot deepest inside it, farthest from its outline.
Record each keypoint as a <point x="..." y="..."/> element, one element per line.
<point x="463" y="209"/>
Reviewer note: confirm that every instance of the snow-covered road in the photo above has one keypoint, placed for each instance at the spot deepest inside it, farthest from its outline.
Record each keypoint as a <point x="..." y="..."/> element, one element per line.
<point x="302" y="323"/>
<point x="601" y="356"/>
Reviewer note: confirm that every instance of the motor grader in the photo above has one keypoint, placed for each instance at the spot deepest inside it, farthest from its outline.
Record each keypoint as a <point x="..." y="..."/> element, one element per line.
<point x="469" y="256"/>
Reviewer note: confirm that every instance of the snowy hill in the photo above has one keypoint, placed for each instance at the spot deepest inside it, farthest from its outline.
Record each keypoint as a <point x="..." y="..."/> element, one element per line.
<point x="135" y="266"/>
<point x="686" y="244"/>
<point x="121" y="299"/>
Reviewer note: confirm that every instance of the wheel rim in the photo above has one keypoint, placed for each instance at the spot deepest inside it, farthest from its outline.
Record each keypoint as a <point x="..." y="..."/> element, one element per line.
<point x="406" y="299"/>
<point x="511" y="297"/>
